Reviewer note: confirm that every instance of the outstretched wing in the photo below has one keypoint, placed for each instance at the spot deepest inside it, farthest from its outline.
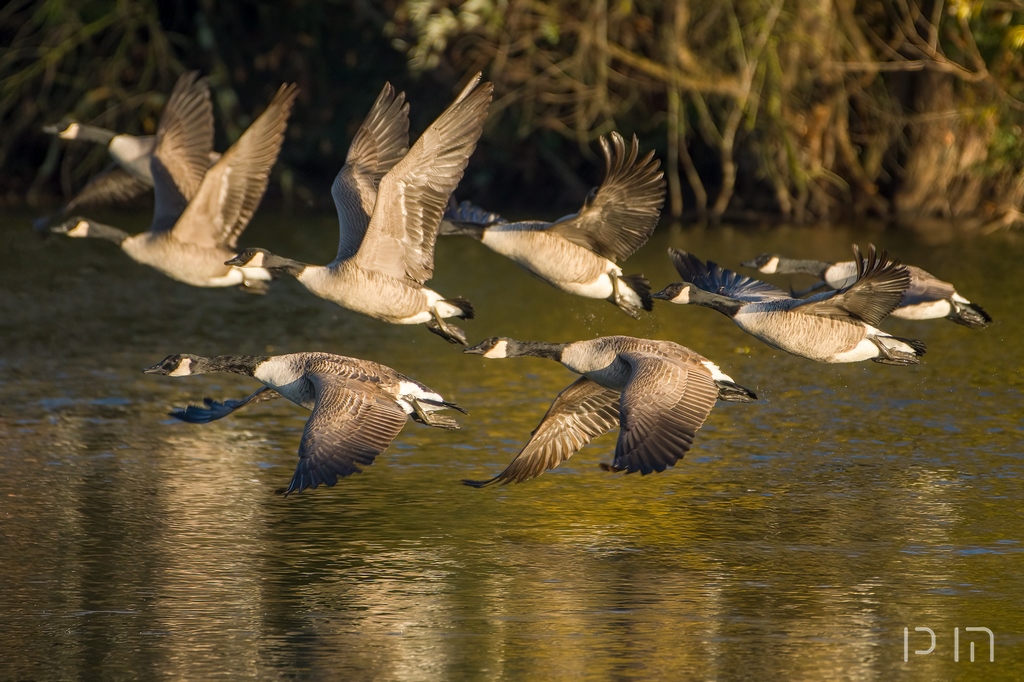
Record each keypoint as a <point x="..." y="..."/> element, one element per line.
<point x="184" y="140"/>
<point x="352" y="422"/>
<point x="412" y="196"/>
<point x="663" y="405"/>
<point x="579" y="414"/>
<point x="112" y="185"/>
<point x="381" y="142"/>
<point x="233" y="187"/>
<point x="716" y="279"/>
<point x="218" y="410"/>
<point x="623" y="213"/>
<point x="878" y="290"/>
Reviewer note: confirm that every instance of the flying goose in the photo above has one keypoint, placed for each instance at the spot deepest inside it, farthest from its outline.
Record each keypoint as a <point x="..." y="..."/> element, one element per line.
<point x="835" y="326"/>
<point x="657" y="393"/>
<point x="577" y="254"/>
<point x="358" y="406"/>
<point x="129" y="174"/>
<point x="390" y="204"/>
<point x="927" y="298"/>
<point x="199" y="213"/>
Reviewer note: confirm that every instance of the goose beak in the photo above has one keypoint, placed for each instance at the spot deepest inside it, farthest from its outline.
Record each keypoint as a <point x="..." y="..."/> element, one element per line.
<point x="155" y="369"/>
<point x="478" y="349"/>
<point x="749" y="264"/>
<point x="662" y="295"/>
<point x="51" y="129"/>
<point x="237" y="260"/>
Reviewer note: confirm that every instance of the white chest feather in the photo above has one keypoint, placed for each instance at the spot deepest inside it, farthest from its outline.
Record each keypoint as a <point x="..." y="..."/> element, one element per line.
<point x="280" y="374"/>
<point x="924" y="311"/>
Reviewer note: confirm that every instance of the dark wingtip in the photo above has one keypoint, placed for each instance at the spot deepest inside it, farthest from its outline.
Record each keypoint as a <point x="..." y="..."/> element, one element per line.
<point x="479" y="484"/>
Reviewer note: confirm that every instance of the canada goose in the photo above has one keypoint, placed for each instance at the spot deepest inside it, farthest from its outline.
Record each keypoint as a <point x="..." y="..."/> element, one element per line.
<point x="657" y="392"/>
<point x="199" y="213"/>
<point x="927" y="298"/>
<point x="836" y="326"/>
<point x="129" y="175"/>
<point x="384" y="257"/>
<point x="358" y="406"/>
<point x="577" y="254"/>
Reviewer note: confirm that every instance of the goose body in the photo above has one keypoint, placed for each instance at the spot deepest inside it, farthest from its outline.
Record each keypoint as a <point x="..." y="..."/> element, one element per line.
<point x="358" y="406"/>
<point x="200" y="212"/>
<point x="927" y="297"/>
<point x="390" y="200"/>
<point x="833" y="327"/>
<point x="657" y="393"/>
<point x="577" y="254"/>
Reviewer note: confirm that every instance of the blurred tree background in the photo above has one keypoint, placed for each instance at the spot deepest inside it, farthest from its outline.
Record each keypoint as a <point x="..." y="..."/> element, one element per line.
<point x="807" y="110"/>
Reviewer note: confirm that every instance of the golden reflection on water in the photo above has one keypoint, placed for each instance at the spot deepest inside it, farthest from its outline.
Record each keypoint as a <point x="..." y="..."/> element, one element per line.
<point x="796" y="540"/>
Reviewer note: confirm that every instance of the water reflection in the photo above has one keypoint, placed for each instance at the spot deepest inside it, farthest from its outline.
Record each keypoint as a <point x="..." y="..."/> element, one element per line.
<point x="796" y="540"/>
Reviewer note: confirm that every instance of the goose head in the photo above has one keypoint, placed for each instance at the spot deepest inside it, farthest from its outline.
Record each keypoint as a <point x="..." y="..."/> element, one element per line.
<point x="180" y="365"/>
<point x="494" y="347"/>
<point x="261" y="258"/>
<point x="76" y="227"/>
<point x="678" y="292"/>
<point x="66" y="129"/>
<point x="768" y="263"/>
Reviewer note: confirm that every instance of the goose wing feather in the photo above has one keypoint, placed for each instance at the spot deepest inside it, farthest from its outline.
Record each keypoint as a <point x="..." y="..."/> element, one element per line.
<point x="877" y="291"/>
<point x="234" y="186"/>
<point x="214" y="409"/>
<point x="619" y="218"/>
<point x="381" y="142"/>
<point x="663" y="405"/>
<point x="352" y="422"/>
<point x="412" y="196"/>
<point x="112" y="185"/>
<point x="184" y="141"/>
<point x="713" y="278"/>
<point x="579" y="414"/>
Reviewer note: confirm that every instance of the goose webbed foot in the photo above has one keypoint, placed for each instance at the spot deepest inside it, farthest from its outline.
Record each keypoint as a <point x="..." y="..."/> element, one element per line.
<point x="448" y="332"/>
<point x="426" y="418"/>
<point x="892" y="356"/>
<point x="609" y="467"/>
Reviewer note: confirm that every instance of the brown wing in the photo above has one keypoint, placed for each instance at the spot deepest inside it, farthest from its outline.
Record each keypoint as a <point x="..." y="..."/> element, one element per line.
<point x="663" y="405"/>
<point x="111" y="186"/>
<point x="380" y="143"/>
<point x="412" y="196"/>
<point x="352" y="422"/>
<point x="624" y="212"/>
<point x="184" y="140"/>
<point x="878" y="290"/>
<point x="579" y="414"/>
<point x="233" y="187"/>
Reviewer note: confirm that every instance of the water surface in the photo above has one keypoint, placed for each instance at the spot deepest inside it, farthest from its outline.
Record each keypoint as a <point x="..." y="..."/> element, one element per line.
<point x="797" y="540"/>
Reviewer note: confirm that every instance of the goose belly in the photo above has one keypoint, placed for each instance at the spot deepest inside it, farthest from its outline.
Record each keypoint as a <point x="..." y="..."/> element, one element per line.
<point x="820" y="339"/>
<point x="924" y="311"/>
<point x="562" y="264"/>
<point x="371" y="293"/>
<point x="183" y="261"/>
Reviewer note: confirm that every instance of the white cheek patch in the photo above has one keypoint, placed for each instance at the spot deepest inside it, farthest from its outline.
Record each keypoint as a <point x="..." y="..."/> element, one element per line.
<point x="79" y="230"/>
<point x="683" y="296"/>
<point x="256" y="261"/>
<point x="771" y="267"/>
<point x="183" y="369"/>
<point x="69" y="133"/>
<point x="500" y="350"/>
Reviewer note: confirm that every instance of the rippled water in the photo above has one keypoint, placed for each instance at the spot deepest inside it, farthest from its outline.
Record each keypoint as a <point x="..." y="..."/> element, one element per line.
<point x="797" y="540"/>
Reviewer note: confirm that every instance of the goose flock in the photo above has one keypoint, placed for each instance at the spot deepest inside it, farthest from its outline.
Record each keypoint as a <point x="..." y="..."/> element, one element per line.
<point x="393" y="201"/>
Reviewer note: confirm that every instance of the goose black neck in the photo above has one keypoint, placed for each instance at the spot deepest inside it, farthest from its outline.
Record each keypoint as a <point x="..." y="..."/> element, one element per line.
<point x="94" y="134"/>
<point x="235" y="364"/>
<point x="794" y="266"/>
<point x="723" y="304"/>
<point x="276" y="263"/>
<point x="107" y="232"/>
<point x="536" y="349"/>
